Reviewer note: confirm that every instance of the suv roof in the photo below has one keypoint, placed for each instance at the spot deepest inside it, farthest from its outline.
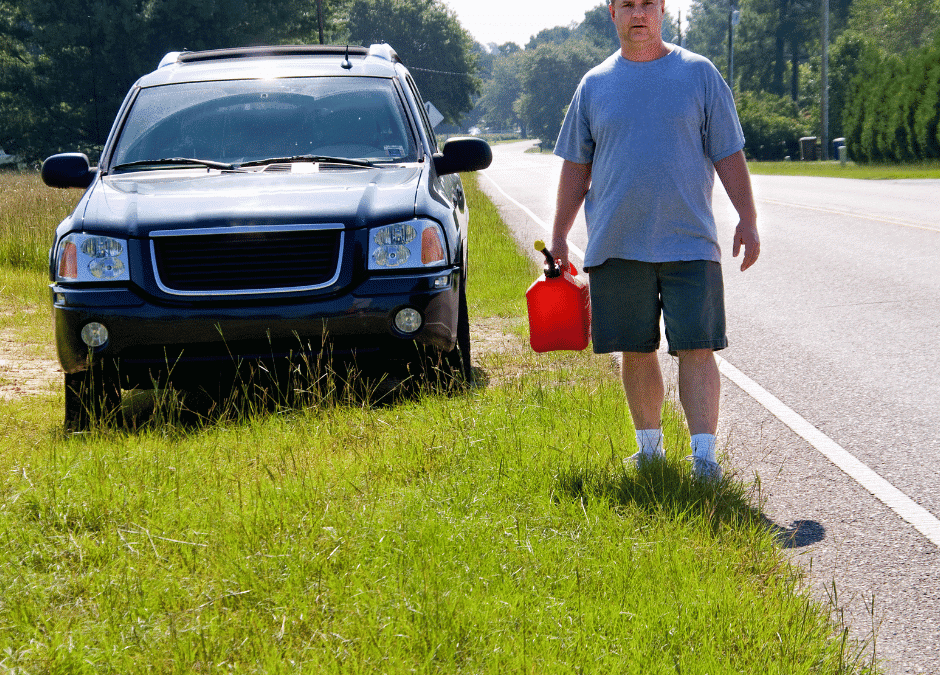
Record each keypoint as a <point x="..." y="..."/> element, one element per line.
<point x="378" y="60"/>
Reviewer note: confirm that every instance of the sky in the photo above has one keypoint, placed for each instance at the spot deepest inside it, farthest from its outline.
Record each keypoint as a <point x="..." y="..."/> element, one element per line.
<point x="516" y="21"/>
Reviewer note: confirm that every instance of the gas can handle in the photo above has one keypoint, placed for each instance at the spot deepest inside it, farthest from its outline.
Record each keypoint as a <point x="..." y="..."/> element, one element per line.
<point x="551" y="267"/>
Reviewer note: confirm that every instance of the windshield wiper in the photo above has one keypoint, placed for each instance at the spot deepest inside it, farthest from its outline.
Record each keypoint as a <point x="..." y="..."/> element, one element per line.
<point x="308" y="158"/>
<point x="176" y="161"/>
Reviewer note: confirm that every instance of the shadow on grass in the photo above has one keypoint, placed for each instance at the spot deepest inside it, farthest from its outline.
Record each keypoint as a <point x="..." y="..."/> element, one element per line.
<point x="667" y="486"/>
<point x="259" y="390"/>
<point x="662" y="486"/>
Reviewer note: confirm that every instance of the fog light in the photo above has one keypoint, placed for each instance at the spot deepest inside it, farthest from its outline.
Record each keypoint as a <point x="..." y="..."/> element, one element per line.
<point x="94" y="334"/>
<point x="442" y="282"/>
<point x="408" y="320"/>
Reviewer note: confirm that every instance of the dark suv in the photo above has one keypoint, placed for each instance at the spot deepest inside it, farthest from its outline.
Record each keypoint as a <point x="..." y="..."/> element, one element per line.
<point x="257" y="203"/>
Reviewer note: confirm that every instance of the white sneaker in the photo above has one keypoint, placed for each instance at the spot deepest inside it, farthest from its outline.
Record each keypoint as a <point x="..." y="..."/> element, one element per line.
<point x="704" y="469"/>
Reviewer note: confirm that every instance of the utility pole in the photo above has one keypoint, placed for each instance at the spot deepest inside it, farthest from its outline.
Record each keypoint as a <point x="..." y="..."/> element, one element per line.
<point x="320" y="18"/>
<point x="824" y="84"/>
<point x="734" y="18"/>
<point x="730" y="48"/>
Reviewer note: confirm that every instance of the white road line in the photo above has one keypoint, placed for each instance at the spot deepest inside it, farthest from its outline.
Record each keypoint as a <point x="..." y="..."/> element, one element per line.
<point x="922" y="520"/>
<point x="897" y="501"/>
<point x="541" y="223"/>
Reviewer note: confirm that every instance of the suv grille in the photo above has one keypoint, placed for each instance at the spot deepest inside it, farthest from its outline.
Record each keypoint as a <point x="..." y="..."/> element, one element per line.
<point x="236" y="260"/>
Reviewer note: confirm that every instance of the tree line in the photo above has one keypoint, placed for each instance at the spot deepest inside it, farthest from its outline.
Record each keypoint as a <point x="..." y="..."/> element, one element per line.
<point x="66" y="66"/>
<point x="896" y="106"/>
<point x="881" y="54"/>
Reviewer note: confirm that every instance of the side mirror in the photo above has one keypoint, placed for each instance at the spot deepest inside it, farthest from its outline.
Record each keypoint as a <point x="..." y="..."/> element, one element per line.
<point x="463" y="154"/>
<point x="70" y="169"/>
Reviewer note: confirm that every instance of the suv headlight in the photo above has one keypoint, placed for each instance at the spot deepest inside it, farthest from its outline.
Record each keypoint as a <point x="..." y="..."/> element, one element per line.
<point x="90" y="257"/>
<point x="413" y="244"/>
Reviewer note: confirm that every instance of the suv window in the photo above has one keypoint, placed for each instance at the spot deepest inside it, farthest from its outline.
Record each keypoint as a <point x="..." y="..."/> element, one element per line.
<point x="424" y="114"/>
<point x="249" y="120"/>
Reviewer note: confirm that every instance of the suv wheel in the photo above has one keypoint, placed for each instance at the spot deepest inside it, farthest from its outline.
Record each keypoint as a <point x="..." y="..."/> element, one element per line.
<point x="458" y="359"/>
<point x="92" y="396"/>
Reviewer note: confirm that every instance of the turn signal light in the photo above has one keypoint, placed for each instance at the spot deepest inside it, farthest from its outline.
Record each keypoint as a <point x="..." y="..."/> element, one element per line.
<point x="68" y="262"/>
<point x="432" y="250"/>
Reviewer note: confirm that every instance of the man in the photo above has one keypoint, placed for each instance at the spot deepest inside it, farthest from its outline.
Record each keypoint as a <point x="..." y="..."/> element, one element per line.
<point x="644" y="135"/>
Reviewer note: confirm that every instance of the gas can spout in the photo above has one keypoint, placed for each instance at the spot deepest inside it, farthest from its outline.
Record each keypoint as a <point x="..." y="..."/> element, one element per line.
<point x="551" y="267"/>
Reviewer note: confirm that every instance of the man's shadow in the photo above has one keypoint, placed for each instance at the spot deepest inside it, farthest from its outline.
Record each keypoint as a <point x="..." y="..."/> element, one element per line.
<point x="658" y="485"/>
<point x="798" y="534"/>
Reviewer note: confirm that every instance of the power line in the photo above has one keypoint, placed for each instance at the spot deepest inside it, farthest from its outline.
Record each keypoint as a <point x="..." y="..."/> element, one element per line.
<point x="439" y="72"/>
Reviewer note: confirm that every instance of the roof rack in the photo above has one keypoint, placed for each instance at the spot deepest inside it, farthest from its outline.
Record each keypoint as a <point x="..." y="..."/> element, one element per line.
<point x="276" y="50"/>
<point x="385" y="51"/>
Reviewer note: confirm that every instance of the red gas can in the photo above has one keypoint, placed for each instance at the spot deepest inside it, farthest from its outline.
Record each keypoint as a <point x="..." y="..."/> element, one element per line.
<point x="559" y="305"/>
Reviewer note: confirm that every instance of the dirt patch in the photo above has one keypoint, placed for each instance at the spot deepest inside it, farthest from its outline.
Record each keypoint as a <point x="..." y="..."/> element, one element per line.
<point x="22" y="371"/>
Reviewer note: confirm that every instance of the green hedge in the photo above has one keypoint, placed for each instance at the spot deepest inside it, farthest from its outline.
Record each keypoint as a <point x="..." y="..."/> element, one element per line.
<point x="893" y="107"/>
<point x="772" y="125"/>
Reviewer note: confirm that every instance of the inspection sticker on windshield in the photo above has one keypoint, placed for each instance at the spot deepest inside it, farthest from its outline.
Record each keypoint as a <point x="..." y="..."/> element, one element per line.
<point x="394" y="151"/>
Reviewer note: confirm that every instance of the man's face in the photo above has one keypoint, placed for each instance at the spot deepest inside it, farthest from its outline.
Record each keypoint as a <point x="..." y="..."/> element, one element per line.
<point x="638" y="22"/>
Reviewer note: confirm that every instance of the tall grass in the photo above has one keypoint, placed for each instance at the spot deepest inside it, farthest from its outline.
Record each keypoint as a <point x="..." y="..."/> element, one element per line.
<point x="29" y="214"/>
<point x="492" y="529"/>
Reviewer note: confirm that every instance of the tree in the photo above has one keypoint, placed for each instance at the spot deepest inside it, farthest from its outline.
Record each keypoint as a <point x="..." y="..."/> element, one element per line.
<point x="550" y="75"/>
<point x="501" y="91"/>
<point x="549" y="36"/>
<point x="926" y="115"/>
<point x="599" y="29"/>
<point x="772" y="40"/>
<point x="73" y="62"/>
<point x="897" y="26"/>
<point x="430" y="40"/>
<point x="771" y="125"/>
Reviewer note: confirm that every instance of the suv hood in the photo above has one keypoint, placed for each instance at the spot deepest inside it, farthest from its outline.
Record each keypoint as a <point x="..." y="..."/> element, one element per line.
<point x="134" y="204"/>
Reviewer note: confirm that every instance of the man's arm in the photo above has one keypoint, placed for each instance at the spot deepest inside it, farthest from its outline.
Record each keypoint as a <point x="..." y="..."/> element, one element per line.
<point x="572" y="188"/>
<point x="732" y="170"/>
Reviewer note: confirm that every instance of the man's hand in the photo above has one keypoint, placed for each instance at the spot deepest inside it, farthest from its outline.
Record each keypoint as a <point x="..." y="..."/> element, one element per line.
<point x="559" y="251"/>
<point x="732" y="170"/>
<point x="747" y="235"/>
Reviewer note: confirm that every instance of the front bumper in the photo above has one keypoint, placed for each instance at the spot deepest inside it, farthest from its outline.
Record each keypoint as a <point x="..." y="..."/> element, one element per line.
<point x="151" y="338"/>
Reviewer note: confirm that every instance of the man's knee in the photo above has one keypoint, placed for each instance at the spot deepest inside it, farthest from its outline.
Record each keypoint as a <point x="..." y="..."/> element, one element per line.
<point x="694" y="357"/>
<point x="635" y="360"/>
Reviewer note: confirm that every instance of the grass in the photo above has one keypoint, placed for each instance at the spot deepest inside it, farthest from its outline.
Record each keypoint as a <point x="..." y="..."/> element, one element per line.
<point x="29" y="213"/>
<point x="850" y="170"/>
<point x="492" y="529"/>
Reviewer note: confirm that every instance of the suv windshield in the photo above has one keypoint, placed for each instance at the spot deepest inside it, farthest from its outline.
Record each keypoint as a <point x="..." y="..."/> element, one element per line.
<point x="239" y="121"/>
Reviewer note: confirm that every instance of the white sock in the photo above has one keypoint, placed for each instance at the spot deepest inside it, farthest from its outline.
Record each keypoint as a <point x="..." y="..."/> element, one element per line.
<point x="650" y="441"/>
<point x="703" y="446"/>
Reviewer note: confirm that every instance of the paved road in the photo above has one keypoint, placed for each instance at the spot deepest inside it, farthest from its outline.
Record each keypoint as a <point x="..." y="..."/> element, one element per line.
<point x="840" y="320"/>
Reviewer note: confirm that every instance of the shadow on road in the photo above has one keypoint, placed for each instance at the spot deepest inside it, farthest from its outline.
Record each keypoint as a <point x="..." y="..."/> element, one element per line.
<point x="798" y="534"/>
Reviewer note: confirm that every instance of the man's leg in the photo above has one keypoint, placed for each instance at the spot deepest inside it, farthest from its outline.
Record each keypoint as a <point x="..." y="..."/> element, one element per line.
<point x="693" y="308"/>
<point x="699" y="390"/>
<point x="643" y="385"/>
<point x="699" y="393"/>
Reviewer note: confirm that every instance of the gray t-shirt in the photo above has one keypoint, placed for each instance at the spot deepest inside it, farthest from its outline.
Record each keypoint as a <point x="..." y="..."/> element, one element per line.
<point x="652" y="131"/>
